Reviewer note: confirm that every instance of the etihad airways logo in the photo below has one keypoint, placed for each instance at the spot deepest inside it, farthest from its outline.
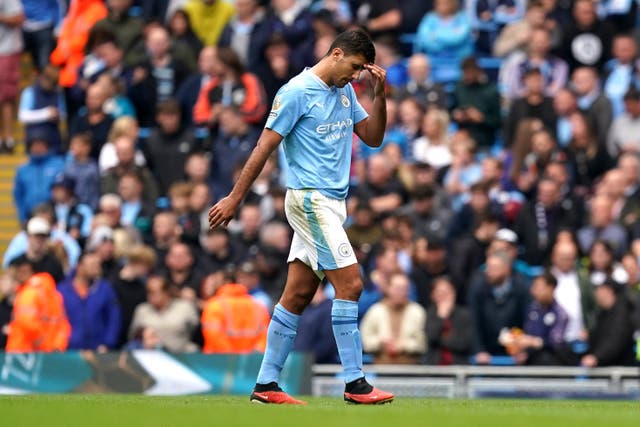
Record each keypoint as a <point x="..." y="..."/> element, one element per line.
<point x="333" y="127"/>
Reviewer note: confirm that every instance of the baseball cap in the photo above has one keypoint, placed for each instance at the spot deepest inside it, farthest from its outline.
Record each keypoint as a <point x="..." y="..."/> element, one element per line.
<point x="64" y="181"/>
<point x="38" y="226"/>
<point x="100" y="235"/>
<point x="507" y="235"/>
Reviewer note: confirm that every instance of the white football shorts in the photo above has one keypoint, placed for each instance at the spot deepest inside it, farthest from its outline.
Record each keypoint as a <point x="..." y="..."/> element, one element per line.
<point x="319" y="239"/>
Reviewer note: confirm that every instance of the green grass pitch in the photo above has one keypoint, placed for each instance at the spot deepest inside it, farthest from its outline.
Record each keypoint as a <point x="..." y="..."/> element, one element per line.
<point x="192" y="411"/>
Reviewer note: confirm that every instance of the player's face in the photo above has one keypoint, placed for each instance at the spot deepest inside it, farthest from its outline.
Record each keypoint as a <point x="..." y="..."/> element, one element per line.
<point x="347" y="68"/>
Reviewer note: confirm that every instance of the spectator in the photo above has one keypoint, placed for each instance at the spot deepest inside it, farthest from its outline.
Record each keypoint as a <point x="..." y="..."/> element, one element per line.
<point x="42" y="108"/>
<point x="554" y="70"/>
<point x="379" y="17"/>
<point x="71" y="216"/>
<point x="130" y="285"/>
<point x="602" y="227"/>
<point x="8" y="291"/>
<point x="420" y="85"/>
<point x="533" y="105"/>
<point x="464" y="171"/>
<point x="235" y="141"/>
<point x="314" y="330"/>
<point x="122" y="126"/>
<point x="169" y="145"/>
<point x="564" y="106"/>
<point x="487" y="18"/>
<point x="168" y="71"/>
<point x="187" y="93"/>
<point x="364" y="232"/>
<point x="165" y="232"/>
<point x="278" y="67"/>
<point x="394" y="329"/>
<point x="234" y="87"/>
<point x="629" y="165"/>
<point x="179" y="196"/>
<point x="544" y="330"/>
<point x="497" y="300"/>
<point x="197" y="221"/>
<point x="515" y="36"/>
<point x="445" y="36"/>
<point x="93" y="119"/>
<point x="429" y="260"/>
<point x="477" y="206"/>
<point x="247" y="34"/>
<point x="625" y="209"/>
<point x="74" y="33"/>
<point x="125" y="152"/>
<point x="33" y="179"/>
<point x="381" y="190"/>
<point x="587" y="156"/>
<point x="219" y="250"/>
<point x="41" y="18"/>
<point x="247" y="275"/>
<point x="183" y="40"/>
<point x="540" y="220"/>
<point x="476" y="106"/>
<point x="603" y="266"/>
<point x="623" y="133"/>
<point x="619" y="72"/>
<point x="136" y="212"/>
<point x="181" y="271"/>
<point x="410" y="113"/>
<point x="102" y="242"/>
<point x="430" y="220"/>
<point x="610" y="341"/>
<point x="126" y="27"/>
<point x="39" y="323"/>
<point x="388" y="57"/>
<point x="449" y="329"/>
<point x="293" y="20"/>
<point x="592" y="101"/>
<point x="586" y="40"/>
<point x="208" y="18"/>
<point x="11" y="20"/>
<point x="247" y="234"/>
<point x="173" y="320"/>
<point x="542" y="150"/>
<point x="234" y="322"/>
<point x="117" y="104"/>
<point x="92" y="307"/>
<point x="83" y="171"/>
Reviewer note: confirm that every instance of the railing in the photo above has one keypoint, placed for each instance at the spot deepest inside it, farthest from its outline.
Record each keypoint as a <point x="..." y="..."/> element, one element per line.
<point x="489" y="381"/>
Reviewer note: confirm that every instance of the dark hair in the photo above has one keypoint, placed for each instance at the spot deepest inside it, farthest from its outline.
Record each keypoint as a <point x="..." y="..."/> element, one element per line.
<point x="168" y="106"/>
<point x="548" y="278"/>
<point x="355" y="42"/>
<point x="22" y="260"/>
<point x="231" y="59"/>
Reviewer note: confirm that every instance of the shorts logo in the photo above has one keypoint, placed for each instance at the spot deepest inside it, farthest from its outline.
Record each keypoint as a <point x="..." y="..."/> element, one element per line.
<point x="276" y="103"/>
<point x="345" y="101"/>
<point x="344" y="250"/>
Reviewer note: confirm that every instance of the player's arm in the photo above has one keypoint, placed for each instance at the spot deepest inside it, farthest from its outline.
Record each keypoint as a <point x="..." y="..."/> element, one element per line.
<point x="223" y="211"/>
<point x="371" y="130"/>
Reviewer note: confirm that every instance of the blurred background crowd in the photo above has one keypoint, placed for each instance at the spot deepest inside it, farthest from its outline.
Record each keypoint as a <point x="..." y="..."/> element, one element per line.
<point x="499" y="223"/>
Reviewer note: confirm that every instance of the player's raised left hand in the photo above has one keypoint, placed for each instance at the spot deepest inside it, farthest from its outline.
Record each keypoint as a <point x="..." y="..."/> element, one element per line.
<point x="380" y="76"/>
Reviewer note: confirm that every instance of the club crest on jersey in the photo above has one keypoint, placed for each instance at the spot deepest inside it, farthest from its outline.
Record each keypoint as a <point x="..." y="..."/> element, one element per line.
<point x="276" y="103"/>
<point x="345" y="101"/>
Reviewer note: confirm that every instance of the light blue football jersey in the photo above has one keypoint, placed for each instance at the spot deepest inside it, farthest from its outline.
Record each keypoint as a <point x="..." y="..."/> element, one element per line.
<point x="316" y="122"/>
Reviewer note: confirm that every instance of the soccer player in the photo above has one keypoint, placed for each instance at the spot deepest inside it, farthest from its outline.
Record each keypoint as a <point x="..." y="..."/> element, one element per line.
<point x="315" y="115"/>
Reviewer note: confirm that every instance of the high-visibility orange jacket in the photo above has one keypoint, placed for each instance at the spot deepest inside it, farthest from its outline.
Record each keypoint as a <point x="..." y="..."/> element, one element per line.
<point x="39" y="322"/>
<point x="234" y="322"/>
<point x="253" y="107"/>
<point x="74" y="32"/>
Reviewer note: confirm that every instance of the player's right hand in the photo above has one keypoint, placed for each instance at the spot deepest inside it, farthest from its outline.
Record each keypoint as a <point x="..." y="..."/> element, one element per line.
<point x="222" y="212"/>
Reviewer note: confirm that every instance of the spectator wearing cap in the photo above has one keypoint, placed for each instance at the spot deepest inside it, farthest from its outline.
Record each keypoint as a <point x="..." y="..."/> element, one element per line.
<point x="623" y="134"/>
<point x="92" y="307"/>
<point x="314" y="330"/>
<point x="592" y="100"/>
<point x="42" y="107"/>
<point x="83" y="170"/>
<point x="130" y="284"/>
<point x="102" y="242"/>
<point x="538" y="55"/>
<point x="168" y="146"/>
<point x="247" y="33"/>
<point x="420" y="85"/>
<point x="498" y="299"/>
<point x="174" y="320"/>
<point x="476" y="105"/>
<point x="468" y="252"/>
<point x="586" y="40"/>
<point x="542" y="342"/>
<point x="71" y="216"/>
<point x="534" y="104"/>
<point x="619" y="73"/>
<point x="433" y="147"/>
<point x="610" y="340"/>
<point x="445" y="36"/>
<point x="32" y="183"/>
<point x="449" y="329"/>
<point x="38" y="251"/>
<point x="428" y="219"/>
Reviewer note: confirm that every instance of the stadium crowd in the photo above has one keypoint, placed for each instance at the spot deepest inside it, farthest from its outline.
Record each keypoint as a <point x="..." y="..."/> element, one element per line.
<point x="498" y="223"/>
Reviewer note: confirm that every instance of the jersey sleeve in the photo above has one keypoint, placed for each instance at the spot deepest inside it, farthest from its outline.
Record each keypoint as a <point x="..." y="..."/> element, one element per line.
<point x="287" y="108"/>
<point x="359" y="113"/>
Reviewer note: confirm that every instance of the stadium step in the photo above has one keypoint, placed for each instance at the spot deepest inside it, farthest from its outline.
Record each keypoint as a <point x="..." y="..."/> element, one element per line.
<point x="9" y="224"/>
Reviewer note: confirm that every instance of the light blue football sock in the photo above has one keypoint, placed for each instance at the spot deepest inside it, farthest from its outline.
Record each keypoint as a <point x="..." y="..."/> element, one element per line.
<point x="344" y="318"/>
<point x="280" y="338"/>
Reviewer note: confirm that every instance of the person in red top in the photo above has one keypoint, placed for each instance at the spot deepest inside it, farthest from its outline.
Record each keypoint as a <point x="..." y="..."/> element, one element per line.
<point x="39" y="322"/>
<point x="232" y="86"/>
<point x="234" y="322"/>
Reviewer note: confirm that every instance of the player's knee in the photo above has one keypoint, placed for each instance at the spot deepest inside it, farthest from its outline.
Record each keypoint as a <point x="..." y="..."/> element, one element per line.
<point x="297" y="300"/>
<point x="351" y="289"/>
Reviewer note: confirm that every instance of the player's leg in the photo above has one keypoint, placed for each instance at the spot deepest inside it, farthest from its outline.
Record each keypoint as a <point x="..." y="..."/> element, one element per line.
<point x="300" y="287"/>
<point x="347" y="282"/>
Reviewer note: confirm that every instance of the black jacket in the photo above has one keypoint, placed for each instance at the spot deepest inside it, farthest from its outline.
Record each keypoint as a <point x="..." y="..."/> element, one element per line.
<point x="457" y="340"/>
<point x="611" y="340"/>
